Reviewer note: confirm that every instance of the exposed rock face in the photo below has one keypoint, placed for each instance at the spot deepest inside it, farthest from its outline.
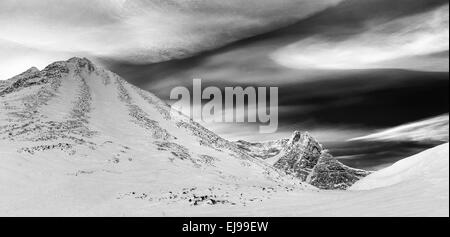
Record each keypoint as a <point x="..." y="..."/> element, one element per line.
<point x="305" y="158"/>
<point x="300" y="155"/>
<point x="332" y="174"/>
<point x="3" y="85"/>
<point x="262" y="150"/>
<point x="26" y="79"/>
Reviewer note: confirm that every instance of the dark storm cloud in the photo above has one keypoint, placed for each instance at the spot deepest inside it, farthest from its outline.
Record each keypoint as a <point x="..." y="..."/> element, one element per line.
<point x="350" y="17"/>
<point x="375" y="99"/>
<point x="369" y="155"/>
<point x="362" y="98"/>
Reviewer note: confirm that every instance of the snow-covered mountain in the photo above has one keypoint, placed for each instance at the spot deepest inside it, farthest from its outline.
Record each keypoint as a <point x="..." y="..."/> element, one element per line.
<point x="73" y="121"/>
<point x="76" y="139"/>
<point x="75" y="109"/>
<point x="305" y="158"/>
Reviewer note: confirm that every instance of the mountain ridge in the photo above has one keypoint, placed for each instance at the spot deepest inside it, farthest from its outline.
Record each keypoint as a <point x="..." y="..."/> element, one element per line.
<point x="305" y="158"/>
<point x="44" y="113"/>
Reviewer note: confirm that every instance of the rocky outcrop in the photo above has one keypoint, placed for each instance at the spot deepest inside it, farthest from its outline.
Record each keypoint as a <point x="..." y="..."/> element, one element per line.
<point x="28" y="78"/>
<point x="262" y="150"/>
<point x="300" y="155"/>
<point x="305" y="158"/>
<point x="329" y="173"/>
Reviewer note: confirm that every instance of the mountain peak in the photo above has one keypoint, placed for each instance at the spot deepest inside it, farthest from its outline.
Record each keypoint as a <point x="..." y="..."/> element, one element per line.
<point x="77" y="64"/>
<point x="52" y="72"/>
<point x="82" y="63"/>
<point x="79" y="61"/>
<point x="27" y="73"/>
<point x="32" y="70"/>
<point x="304" y="157"/>
<point x="25" y="79"/>
<point x="299" y="138"/>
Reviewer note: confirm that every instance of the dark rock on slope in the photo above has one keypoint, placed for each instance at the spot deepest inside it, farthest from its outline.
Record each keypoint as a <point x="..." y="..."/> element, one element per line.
<point x="329" y="173"/>
<point x="300" y="155"/>
<point x="262" y="150"/>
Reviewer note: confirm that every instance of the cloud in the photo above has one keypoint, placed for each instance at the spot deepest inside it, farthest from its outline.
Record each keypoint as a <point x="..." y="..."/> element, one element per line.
<point x="383" y="45"/>
<point x="428" y="130"/>
<point x="140" y="31"/>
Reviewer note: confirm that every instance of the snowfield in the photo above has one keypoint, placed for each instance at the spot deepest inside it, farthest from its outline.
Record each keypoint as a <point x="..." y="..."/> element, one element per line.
<point x="430" y="166"/>
<point x="77" y="140"/>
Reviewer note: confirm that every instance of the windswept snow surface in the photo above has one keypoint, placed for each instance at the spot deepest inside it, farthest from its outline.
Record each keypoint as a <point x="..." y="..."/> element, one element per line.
<point x="429" y="168"/>
<point x="77" y="140"/>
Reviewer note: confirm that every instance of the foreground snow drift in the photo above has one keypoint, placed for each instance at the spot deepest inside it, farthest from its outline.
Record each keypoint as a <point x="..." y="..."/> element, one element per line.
<point x="429" y="168"/>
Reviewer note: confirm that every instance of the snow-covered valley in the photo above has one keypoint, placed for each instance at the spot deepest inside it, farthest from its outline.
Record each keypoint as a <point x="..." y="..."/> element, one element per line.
<point x="77" y="140"/>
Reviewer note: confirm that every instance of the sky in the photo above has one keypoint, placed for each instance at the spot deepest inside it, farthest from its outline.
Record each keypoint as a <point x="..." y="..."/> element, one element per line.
<point x="36" y="33"/>
<point x="344" y="68"/>
<point x="353" y="69"/>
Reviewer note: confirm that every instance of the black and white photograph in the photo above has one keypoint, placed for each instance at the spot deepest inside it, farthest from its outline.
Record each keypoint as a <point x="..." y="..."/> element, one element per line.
<point x="224" y="108"/>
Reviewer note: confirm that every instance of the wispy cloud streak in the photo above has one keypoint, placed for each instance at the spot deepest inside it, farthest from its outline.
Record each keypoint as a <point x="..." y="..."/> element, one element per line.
<point x="393" y="44"/>
<point x="139" y="31"/>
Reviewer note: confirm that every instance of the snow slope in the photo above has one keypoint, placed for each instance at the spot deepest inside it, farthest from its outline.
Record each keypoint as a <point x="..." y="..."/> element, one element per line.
<point x="415" y="186"/>
<point x="430" y="167"/>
